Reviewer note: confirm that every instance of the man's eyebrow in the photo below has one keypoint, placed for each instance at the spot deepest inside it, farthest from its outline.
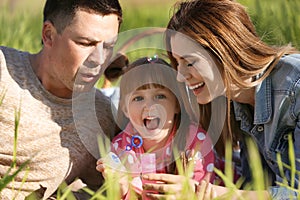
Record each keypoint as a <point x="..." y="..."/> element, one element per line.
<point x="111" y="41"/>
<point x="88" y="39"/>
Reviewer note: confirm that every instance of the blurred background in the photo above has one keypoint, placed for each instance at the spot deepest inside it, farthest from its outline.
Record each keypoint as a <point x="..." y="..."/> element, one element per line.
<point x="276" y="21"/>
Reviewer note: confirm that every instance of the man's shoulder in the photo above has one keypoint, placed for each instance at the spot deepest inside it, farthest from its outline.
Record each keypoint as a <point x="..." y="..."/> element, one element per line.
<point x="8" y="51"/>
<point x="11" y="56"/>
<point x="101" y="99"/>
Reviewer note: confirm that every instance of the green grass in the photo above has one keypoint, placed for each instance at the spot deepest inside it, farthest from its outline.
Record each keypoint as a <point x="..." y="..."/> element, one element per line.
<point x="13" y="170"/>
<point x="277" y="21"/>
<point x="20" y="27"/>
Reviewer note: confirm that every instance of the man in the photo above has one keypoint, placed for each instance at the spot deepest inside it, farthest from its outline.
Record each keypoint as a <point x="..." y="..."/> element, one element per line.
<point x="53" y="93"/>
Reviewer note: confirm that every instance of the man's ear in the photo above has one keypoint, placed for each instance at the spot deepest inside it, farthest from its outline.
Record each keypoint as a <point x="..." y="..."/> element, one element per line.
<point x="48" y="31"/>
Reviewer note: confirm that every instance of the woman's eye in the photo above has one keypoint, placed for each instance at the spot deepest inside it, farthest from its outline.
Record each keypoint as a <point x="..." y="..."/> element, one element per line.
<point x="190" y="64"/>
<point x="161" y="96"/>
<point x="139" y="98"/>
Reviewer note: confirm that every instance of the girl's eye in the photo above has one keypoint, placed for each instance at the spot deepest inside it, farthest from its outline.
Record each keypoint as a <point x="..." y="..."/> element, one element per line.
<point x="139" y="98"/>
<point x="161" y="96"/>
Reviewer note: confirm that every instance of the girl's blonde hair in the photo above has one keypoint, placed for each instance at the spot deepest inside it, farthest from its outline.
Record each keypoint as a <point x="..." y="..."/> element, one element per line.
<point x="146" y="73"/>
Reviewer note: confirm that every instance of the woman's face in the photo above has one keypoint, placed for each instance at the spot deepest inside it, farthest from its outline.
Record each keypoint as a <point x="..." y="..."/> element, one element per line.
<point x="197" y="69"/>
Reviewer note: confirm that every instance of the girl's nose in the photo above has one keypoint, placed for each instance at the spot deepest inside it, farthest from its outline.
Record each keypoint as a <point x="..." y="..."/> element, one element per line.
<point x="149" y="105"/>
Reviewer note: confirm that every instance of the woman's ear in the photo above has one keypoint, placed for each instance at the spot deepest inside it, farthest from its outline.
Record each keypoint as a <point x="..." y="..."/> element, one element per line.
<point x="177" y="108"/>
<point x="48" y="32"/>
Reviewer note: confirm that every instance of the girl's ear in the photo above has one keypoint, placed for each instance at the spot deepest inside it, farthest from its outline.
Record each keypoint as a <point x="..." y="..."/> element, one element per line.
<point x="125" y="111"/>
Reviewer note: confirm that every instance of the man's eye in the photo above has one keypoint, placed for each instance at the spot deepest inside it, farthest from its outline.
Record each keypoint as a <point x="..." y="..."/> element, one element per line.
<point x="84" y="44"/>
<point x="138" y="98"/>
<point x="109" y="46"/>
<point x="161" y="96"/>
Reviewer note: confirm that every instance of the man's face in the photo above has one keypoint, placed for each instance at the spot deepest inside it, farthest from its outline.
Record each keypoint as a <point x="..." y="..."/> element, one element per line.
<point x="81" y="52"/>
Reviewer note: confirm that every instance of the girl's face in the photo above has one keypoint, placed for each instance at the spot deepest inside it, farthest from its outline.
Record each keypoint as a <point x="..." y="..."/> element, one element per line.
<point x="197" y="69"/>
<point x="151" y="112"/>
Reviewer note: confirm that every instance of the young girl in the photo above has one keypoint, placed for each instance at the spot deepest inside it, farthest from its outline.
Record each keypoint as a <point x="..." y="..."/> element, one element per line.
<point x="155" y="125"/>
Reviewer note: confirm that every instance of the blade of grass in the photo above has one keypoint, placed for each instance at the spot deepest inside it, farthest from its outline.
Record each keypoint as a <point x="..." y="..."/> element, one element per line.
<point x="292" y="160"/>
<point x="256" y="168"/>
<point x="9" y="178"/>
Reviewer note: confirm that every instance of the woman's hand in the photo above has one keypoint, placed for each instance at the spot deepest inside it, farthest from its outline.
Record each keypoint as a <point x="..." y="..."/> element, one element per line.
<point x="169" y="186"/>
<point x="205" y="190"/>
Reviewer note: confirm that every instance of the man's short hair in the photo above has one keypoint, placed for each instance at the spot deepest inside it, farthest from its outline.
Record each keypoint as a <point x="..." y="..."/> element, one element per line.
<point x="61" y="12"/>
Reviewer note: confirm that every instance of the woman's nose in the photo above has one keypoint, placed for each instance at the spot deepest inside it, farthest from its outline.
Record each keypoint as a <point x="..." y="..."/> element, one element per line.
<point x="182" y="73"/>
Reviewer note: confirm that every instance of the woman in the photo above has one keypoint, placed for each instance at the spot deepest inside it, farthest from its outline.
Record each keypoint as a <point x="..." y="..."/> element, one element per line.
<point x="216" y="51"/>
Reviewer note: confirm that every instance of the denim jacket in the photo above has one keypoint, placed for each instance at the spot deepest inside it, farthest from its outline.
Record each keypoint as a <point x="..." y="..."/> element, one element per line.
<point x="276" y="114"/>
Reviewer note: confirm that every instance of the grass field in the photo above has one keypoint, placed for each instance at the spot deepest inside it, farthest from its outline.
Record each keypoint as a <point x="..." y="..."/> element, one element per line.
<point x="277" y="21"/>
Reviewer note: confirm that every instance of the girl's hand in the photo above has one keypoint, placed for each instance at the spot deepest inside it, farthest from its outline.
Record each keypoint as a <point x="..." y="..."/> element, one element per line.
<point x="100" y="166"/>
<point x="168" y="186"/>
<point x="122" y="177"/>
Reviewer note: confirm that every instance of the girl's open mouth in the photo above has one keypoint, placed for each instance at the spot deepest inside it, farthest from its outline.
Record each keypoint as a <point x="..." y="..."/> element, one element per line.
<point x="151" y="123"/>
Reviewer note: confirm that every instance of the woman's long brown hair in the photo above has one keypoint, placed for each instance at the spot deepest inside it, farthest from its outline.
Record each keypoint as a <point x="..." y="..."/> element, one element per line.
<point x="225" y="30"/>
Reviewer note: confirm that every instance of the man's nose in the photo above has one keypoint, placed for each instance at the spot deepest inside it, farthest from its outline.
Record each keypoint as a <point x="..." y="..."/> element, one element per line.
<point x="97" y="55"/>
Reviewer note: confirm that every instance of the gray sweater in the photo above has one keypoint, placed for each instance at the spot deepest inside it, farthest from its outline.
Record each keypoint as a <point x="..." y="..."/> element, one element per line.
<point x="58" y="136"/>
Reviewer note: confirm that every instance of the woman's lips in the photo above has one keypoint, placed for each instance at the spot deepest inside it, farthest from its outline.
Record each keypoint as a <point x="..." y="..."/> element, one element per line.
<point x="197" y="88"/>
<point x="192" y="87"/>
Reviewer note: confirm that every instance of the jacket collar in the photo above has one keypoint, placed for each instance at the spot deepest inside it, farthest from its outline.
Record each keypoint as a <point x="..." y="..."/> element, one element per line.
<point x="262" y="108"/>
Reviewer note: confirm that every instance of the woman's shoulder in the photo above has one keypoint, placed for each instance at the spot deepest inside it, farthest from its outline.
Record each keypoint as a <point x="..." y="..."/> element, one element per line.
<point x="289" y="63"/>
<point x="291" y="59"/>
<point x="286" y="74"/>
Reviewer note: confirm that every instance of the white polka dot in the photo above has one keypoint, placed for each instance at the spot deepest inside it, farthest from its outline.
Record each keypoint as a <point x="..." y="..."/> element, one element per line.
<point x="117" y="140"/>
<point x="198" y="155"/>
<point x="210" y="167"/>
<point x="201" y="136"/>
<point x="128" y="140"/>
<point x="116" y="145"/>
<point x="168" y="151"/>
<point x="130" y="159"/>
